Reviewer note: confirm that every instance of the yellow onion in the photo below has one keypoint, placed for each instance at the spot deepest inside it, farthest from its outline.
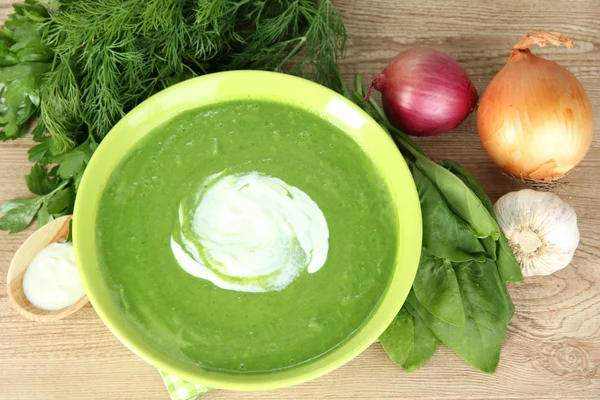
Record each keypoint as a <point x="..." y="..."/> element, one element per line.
<point x="535" y="119"/>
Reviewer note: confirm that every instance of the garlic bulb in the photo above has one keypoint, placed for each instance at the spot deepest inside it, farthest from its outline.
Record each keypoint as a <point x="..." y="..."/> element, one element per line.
<point x="541" y="230"/>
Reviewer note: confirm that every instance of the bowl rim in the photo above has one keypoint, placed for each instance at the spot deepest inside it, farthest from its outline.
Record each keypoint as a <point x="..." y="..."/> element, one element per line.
<point x="223" y="87"/>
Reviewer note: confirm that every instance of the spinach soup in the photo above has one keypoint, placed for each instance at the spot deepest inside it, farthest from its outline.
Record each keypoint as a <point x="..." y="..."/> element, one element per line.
<point x="247" y="236"/>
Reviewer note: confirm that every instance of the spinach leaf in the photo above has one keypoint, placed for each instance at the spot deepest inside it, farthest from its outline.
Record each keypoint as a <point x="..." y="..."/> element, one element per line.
<point x="484" y="298"/>
<point x="444" y="234"/>
<point x="487" y="313"/>
<point x="508" y="266"/>
<point x="462" y="200"/>
<point x="506" y="294"/>
<point x="489" y="244"/>
<point x="472" y="184"/>
<point x="408" y="341"/>
<point x="436" y="288"/>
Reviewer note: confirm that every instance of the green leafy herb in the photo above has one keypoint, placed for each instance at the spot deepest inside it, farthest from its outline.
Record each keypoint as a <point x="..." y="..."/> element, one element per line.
<point x="408" y="341"/>
<point x="490" y="246"/>
<point x="508" y="266"/>
<point x="61" y="202"/>
<point x="43" y="216"/>
<point x="115" y="53"/>
<point x="459" y="225"/>
<point x="462" y="200"/>
<point x="72" y="164"/>
<point x="19" y="87"/>
<point x="436" y="288"/>
<point x="24" y="59"/>
<point x="18" y="214"/>
<point x="14" y="204"/>
<point x="487" y="313"/>
<point x="39" y="182"/>
<point x="56" y="194"/>
<point x="444" y="234"/>
<point x="18" y="218"/>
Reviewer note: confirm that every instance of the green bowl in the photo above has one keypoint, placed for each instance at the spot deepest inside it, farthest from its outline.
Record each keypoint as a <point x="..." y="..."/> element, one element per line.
<point x="222" y="87"/>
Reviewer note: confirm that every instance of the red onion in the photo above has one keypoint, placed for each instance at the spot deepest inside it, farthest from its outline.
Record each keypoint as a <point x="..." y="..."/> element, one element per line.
<point x="425" y="92"/>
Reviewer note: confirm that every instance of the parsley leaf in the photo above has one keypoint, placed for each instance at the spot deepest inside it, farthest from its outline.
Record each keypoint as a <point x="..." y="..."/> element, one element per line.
<point x="40" y="153"/>
<point x="24" y="60"/>
<point x="43" y="216"/>
<point x="12" y="204"/>
<point x="73" y="163"/>
<point x="39" y="182"/>
<point x="19" y="216"/>
<point x="61" y="202"/>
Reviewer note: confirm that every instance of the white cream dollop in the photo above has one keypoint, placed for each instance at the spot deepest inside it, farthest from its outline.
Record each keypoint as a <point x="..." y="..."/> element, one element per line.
<point x="51" y="282"/>
<point x="250" y="232"/>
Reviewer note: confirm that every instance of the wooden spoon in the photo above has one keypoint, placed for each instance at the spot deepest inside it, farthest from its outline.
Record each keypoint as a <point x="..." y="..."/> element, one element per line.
<point x="55" y="231"/>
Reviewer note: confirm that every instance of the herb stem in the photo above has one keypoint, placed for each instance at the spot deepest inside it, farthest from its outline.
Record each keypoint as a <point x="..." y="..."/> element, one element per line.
<point x="293" y="52"/>
<point x="241" y="3"/>
<point x="58" y="188"/>
<point x="342" y="85"/>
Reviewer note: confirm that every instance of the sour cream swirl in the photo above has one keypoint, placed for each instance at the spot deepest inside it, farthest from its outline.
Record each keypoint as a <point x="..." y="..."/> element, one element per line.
<point x="250" y="232"/>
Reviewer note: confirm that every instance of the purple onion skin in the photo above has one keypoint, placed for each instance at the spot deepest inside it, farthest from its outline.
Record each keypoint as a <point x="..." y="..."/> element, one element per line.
<point x="425" y="92"/>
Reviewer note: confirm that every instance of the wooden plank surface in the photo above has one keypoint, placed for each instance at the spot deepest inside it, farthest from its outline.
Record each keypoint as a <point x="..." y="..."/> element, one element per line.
<point x="552" y="349"/>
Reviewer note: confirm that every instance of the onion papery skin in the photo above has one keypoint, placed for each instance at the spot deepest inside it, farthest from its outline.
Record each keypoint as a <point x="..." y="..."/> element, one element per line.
<point x="535" y="118"/>
<point x="425" y="92"/>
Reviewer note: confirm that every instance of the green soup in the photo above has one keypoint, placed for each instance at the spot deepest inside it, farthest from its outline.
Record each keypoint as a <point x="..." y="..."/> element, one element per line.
<point x="270" y="327"/>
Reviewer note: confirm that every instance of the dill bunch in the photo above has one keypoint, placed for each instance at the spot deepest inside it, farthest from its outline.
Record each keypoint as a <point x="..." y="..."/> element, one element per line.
<point x="113" y="54"/>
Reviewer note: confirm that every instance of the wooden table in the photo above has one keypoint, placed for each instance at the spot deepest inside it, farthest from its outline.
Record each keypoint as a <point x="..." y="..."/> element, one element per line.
<point x="552" y="349"/>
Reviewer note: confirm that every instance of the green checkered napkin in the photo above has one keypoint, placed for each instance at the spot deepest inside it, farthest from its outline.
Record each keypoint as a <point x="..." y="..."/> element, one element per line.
<point x="182" y="390"/>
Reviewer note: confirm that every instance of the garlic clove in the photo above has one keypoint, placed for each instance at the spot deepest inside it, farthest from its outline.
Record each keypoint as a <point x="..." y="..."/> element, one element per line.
<point x="540" y="228"/>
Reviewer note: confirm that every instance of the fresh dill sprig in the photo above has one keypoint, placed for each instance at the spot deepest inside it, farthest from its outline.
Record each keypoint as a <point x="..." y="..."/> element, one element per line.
<point x="314" y="36"/>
